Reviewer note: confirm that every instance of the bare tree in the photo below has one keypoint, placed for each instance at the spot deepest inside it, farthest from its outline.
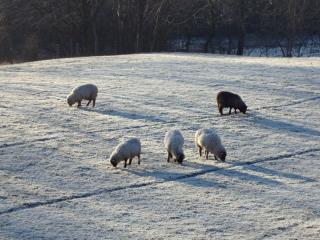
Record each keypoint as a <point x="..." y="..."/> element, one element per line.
<point x="37" y="29"/>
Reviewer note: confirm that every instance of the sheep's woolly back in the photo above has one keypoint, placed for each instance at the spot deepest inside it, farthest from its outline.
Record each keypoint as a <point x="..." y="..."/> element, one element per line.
<point x="87" y="91"/>
<point x="208" y="139"/>
<point x="173" y="142"/>
<point x="126" y="150"/>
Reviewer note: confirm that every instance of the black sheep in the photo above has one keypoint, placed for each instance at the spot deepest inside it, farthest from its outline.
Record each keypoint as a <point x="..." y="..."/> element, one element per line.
<point x="230" y="100"/>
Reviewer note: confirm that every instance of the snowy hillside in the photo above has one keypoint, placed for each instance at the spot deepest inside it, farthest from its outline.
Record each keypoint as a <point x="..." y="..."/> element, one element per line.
<point x="57" y="183"/>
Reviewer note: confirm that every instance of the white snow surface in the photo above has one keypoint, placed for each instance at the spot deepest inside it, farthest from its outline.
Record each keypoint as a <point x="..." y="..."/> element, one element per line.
<point x="57" y="183"/>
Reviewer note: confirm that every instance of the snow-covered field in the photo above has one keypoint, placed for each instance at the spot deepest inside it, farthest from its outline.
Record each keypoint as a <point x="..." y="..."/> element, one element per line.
<point x="57" y="183"/>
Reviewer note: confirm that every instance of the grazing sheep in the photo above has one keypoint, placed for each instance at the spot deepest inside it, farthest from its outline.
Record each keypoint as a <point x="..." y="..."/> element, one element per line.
<point x="230" y="100"/>
<point x="87" y="92"/>
<point x="173" y="142"/>
<point x="210" y="141"/>
<point x="126" y="150"/>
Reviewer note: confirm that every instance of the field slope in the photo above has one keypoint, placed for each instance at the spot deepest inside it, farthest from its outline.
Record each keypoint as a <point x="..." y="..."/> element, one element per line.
<point x="57" y="183"/>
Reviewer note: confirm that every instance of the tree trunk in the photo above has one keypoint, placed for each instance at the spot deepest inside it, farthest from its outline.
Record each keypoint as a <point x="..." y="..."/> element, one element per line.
<point x="212" y="27"/>
<point x="156" y="26"/>
<point x="241" y="41"/>
<point x="141" y="6"/>
<point x="242" y="28"/>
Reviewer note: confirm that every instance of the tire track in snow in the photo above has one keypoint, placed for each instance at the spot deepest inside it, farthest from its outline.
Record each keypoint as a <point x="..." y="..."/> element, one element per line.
<point x="5" y="145"/>
<point x="31" y="205"/>
<point x="288" y="104"/>
<point x="282" y="156"/>
<point x="280" y="230"/>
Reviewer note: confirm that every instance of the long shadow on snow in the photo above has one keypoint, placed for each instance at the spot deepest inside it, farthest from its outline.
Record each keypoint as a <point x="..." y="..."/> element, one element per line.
<point x="170" y="176"/>
<point x="200" y="169"/>
<point x="203" y="169"/>
<point x="278" y="173"/>
<point x="280" y="125"/>
<point x="128" y="115"/>
<point x="291" y="103"/>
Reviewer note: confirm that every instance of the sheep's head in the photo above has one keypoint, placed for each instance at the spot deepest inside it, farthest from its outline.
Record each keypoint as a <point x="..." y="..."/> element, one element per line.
<point x="243" y="108"/>
<point x="71" y="100"/>
<point x="222" y="155"/>
<point x="114" y="160"/>
<point x="180" y="158"/>
<point x="114" y="163"/>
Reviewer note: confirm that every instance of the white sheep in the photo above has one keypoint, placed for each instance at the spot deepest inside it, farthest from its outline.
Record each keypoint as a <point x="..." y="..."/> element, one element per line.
<point x="87" y="92"/>
<point x="210" y="141"/>
<point x="173" y="142"/>
<point x="126" y="150"/>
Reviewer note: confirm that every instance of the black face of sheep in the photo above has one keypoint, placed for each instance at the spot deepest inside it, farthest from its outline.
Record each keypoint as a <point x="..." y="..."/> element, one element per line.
<point x="243" y="109"/>
<point x="113" y="162"/>
<point x="222" y="156"/>
<point x="69" y="102"/>
<point x="180" y="158"/>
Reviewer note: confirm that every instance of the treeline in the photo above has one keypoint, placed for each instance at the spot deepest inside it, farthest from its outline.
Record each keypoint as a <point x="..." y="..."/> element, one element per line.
<point x="38" y="29"/>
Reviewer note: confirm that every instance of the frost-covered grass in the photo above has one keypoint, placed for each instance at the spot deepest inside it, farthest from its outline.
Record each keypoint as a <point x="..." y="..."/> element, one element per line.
<point x="57" y="183"/>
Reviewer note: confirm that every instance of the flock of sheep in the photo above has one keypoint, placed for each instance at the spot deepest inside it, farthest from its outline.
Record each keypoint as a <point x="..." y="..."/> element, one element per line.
<point x="205" y="139"/>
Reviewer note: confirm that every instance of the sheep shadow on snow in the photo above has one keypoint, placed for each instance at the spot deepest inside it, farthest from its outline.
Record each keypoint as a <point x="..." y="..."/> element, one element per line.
<point x="194" y="178"/>
<point x="277" y="173"/>
<point x="171" y="176"/>
<point x="127" y="115"/>
<point x="256" y="118"/>
<point x="279" y="125"/>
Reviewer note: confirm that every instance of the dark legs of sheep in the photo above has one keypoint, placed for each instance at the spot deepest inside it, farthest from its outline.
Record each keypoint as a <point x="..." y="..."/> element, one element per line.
<point x="169" y="156"/>
<point x="221" y="110"/>
<point x="125" y="163"/>
<point x="88" y="103"/>
<point x="215" y="157"/>
<point x="206" y="152"/>
<point x="94" y="102"/>
<point x="235" y="111"/>
<point x="200" y="151"/>
<point x="79" y="103"/>
<point x="230" y="110"/>
<point x="130" y="161"/>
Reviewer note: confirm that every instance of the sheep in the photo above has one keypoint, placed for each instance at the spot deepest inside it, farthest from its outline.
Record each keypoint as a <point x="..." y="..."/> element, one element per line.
<point x="87" y="92"/>
<point x="231" y="100"/>
<point x="173" y="142"/>
<point x="126" y="150"/>
<point x="210" y="141"/>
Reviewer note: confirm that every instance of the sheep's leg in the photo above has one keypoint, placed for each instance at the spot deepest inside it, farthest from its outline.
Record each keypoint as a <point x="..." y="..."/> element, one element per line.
<point x="169" y="156"/>
<point x="235" y="111"/>
<point x="230" y="110"/>
<point x="200" y="151"/>
<point x="221" y="110"/>
<point x="130" y="161"/>
<point x="125" y="163"/>
<point x="88" y="103"/>
<point x="215" y="157"/>
<point x="139" y="159"/>
<point x="79" y="103"/>
<point x="94" y="102"/>
<point x="207" y="154"/>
